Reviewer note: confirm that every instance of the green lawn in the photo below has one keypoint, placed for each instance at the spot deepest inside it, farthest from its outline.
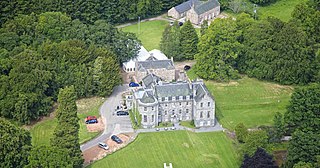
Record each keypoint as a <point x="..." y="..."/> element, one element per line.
<point x="282" y="9"/>
<point x="150" y="32"/>
<point x="42" y="132"/>
<point x="188" y="124"/>
<point x="181" y="148"/>
<point x="247" y="100"/>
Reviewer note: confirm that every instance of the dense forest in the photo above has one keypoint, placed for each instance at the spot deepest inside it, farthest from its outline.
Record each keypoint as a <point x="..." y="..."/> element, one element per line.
<point x="41" y="53"/>
<point x="268" y="49"/>
<point x="87" y="11"/>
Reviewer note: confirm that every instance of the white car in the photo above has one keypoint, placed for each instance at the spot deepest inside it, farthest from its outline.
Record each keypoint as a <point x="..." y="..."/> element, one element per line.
<point x="103" y="145"/>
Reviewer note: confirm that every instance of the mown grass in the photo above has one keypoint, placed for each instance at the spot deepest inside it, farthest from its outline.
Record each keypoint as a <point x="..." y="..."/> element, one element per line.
<point x="188" y="124"/>
<point x="42" y="132"/>
<point x="150" y="32"/>
<point x="135" y="118"/>
<point x="282" y="9"/>
<point x="247" y="100"/>
<point x="181" y="148"/>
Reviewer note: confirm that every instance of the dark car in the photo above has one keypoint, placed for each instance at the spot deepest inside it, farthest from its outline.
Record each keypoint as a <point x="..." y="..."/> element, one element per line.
<point x="122" y="113"/>
<point x="187" y="67"/>
<point x="180" y="23"/>
<point x="93" y="121"/>
<point x="116" y="139"/>
<point x="133" y="84"/>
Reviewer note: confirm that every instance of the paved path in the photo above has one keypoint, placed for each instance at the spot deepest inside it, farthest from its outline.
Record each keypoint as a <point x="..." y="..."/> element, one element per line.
<point x="111" y="121"/>
<point x="145" y="20"/>
<point x="215" y="128"/>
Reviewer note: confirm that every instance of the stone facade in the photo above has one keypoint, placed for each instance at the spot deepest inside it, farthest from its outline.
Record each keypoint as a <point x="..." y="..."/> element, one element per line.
<point x="196" y="11"/>
<point x="161" y="68"/>
<point x="174" y="102"/>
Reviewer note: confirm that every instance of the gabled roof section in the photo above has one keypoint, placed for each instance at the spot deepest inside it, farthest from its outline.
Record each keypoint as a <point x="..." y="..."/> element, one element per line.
<point x="150" y="79"/>
<point x="155" y="64"/>
<point x="173" y="89"/>
<point x="206" y="6"/>
<point x="148" y="97"/>
<point x="185" y="6"/>
<point x="201" y="91"/>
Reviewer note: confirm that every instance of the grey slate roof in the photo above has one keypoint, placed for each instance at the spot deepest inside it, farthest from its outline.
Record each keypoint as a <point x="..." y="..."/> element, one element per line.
<point x="155" y="64"/>
<point x="185" y="6"/>
<point x="201" y="91"/>
<point x="206" y="6"/>
<point x="200" y="6"/>
<point x="147" y="97"/>
<point x="150" y="79"/>
<point x="173" y="89"/>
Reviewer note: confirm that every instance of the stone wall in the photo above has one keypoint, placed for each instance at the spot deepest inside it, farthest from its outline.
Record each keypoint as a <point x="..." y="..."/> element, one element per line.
<point x="209" y="15"/>
<point x="174" y="13"/>
<point x="149" y="117"/>
<point x="164" y="74"/>
<point x="204" y="113"/>
<point x="198" y="19"/>
<point x="192" y="16"/>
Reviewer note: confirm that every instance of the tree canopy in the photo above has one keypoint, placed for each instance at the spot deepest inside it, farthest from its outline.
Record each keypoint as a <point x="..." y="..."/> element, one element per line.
<point x="66" y="133"/>
<point x="41" y="53"/>
<point x="15" y="145"/>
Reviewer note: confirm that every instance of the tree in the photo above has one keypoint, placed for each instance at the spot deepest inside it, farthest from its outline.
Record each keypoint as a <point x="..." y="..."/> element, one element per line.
<point x="46" y="156"/>
<point x="236" y="5"/>
<point x="303" y="147"/>
<point x="204" y="27"/>
<point x="170" y="43"/>
<point x="105" y="73"/>
<point x="241" y="132"/>
<point x="303" y="165"/>
<point x="66" y="134"/>
<point x="303" y="111"/>
<point x="278" y="127"/>
<point x="218" y="50"/>
<point x="164" y="43"/>
<point x="254" y="140"/>
<point x="188" y="40"/>
<point x="260" y="159"/>
<point x="15" y="145"/>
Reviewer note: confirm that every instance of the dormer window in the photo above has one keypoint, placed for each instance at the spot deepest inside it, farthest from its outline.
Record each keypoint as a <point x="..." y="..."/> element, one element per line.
<point x="208" y="104"/>
<point x="201" y="104"/>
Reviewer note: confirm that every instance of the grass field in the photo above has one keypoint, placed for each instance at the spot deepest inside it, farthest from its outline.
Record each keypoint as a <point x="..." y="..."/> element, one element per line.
<point x="181" y="148"/>
<point x="150" y="32"/>
<point x="282" y="9"/>
<point x="248" y="100"/>
<point x="42" y="132"/>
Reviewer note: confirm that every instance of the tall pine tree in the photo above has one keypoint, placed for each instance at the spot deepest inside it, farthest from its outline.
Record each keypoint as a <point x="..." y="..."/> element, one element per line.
<point x="188" y="40"/>
<point x="66" y="134"/>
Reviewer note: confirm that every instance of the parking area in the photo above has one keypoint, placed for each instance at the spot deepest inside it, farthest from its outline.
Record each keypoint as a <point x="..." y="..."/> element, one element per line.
<point x="96" y="152"/>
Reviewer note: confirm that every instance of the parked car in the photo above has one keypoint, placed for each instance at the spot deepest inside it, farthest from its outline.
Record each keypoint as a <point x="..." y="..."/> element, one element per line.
<point x="166" y="129"/>
<point x="180" y="23"/>
<point x="92" y="121"/>
<point x="173" y="128"/>
<point x="91" y="118"/>
<point x="122" y="113"/>
<point x="116" y="139"/>
<point x="157" y="129"/>
<point x="171" y="23"/>
<point x="103" y="146"/>
<point x="133" y="84"/>
<point x="187" y="67"/>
